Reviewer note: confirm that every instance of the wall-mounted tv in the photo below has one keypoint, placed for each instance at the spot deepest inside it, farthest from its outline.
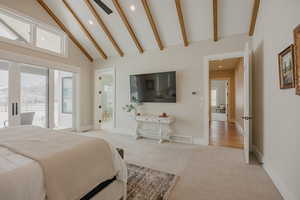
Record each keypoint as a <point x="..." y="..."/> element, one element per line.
<point x="156" y="87"/>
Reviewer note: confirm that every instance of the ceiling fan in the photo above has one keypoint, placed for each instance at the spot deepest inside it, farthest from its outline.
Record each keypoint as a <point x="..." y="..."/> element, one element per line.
<point x="103" y="6"/>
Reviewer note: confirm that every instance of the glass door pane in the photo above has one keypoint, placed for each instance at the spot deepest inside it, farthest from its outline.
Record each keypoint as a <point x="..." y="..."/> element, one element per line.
<point x="34" y="96"/>
<point x="4" y="94"/>
<point x="63" y="100"/>
<point x="107" y="100"/>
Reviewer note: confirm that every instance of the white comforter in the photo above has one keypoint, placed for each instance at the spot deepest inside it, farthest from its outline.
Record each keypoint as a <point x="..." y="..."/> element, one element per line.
<point x="22" y="178"/>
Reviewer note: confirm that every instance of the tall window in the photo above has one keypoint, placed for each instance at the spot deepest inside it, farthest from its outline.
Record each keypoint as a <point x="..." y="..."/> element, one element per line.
<point x="24" y="31"/>
<point x="214" y="97"/>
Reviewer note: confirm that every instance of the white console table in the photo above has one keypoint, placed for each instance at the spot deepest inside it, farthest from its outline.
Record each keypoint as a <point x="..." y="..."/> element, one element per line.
<point x="158" y="127"/>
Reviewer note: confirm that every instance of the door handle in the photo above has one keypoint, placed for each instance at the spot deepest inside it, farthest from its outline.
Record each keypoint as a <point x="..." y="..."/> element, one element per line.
<point x="13" y="109"/>
<point x="247" y="117"/>
<point x="17" y="109"/>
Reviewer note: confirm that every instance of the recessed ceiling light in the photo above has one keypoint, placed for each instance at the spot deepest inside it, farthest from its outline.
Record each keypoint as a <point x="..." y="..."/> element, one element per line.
<point x="132" y="8"/>
<point x="91" y="22"/>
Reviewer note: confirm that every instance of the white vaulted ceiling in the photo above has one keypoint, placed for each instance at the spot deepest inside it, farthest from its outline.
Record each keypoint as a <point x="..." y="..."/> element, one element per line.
<point x="234" y="18"/>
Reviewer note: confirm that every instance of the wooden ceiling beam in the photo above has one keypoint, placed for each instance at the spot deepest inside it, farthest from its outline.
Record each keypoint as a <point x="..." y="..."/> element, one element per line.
<point x="127" y="25"/>
<point x="88" y="34"/>
<point x="104" y="27"/>
<point x="64" y="28"/>
<point x="181" y="22"/>
<point x="153" y="25"/>
<point x="215" y="19"/>
<point x="254" y="17"/>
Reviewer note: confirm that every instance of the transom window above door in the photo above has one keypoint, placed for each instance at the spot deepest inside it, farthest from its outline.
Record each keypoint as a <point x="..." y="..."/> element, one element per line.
<point x="26" y="32"/>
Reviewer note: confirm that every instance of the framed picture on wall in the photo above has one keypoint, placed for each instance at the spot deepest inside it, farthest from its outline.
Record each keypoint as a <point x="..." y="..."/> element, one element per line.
<point x="297" y="59"/>
<point x="287" y="68"/>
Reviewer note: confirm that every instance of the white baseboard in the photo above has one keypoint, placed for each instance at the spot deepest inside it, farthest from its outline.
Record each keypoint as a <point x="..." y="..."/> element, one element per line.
<point x="86" y="128"/>
<point x="258" y="154"/>
<point x="284" y="191"/>
<point x="200" y="141"/>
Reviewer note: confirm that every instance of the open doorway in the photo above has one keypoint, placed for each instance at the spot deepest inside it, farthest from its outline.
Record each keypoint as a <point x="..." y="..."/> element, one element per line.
<point x="226" y="102"/>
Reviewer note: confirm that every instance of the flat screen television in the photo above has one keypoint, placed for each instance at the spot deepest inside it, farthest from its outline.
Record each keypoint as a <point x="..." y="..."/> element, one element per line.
<point x="156" y="87"/>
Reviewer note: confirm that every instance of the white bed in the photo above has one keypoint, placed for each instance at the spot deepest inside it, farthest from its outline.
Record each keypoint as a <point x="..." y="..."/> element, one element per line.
<point x="22" y="178"/>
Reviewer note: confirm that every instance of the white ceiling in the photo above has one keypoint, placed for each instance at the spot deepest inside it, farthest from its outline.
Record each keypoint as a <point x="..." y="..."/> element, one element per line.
<point x="234" y="18"/>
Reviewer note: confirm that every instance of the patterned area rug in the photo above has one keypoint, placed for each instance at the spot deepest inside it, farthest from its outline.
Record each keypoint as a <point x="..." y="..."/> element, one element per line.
<point x="149" y="184"/>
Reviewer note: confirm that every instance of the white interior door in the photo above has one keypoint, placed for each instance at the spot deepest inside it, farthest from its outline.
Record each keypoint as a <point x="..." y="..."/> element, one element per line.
<point x="247" y="103"/>
<point x="14" y="94"/>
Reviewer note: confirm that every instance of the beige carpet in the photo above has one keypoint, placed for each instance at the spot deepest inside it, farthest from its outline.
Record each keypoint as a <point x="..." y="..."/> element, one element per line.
<point x="206" y="173"/>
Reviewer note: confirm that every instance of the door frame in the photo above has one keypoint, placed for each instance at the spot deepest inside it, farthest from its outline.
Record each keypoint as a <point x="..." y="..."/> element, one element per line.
<point x="16" y="58"/>
<point x="206" y="113"/>
<point x="97" y="125"/>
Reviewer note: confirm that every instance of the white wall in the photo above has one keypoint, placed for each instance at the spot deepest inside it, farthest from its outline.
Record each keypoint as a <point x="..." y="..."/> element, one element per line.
<point x="33" y="9"/>
<point x="276" y="112"/>
<point x="188" y="62"/>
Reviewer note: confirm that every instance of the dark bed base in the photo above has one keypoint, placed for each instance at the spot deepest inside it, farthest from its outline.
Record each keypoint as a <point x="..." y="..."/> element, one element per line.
<point x="103" y="185"/>
<point x="98" y="189"/>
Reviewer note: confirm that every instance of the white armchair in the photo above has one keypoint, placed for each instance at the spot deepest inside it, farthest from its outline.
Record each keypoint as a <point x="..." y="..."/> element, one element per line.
<point x="27" y="118"/>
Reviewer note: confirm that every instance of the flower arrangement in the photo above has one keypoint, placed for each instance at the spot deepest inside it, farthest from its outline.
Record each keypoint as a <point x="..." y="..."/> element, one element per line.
<point x="133" y="106"/>
<point x="129" y="108"/>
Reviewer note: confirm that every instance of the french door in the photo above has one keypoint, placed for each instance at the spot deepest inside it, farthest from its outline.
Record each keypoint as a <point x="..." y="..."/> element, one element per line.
<point x="38" y="95"/>
<point x="33" y="91"/>
<point x="5" y="108"/>
<point x="23" y="95"/>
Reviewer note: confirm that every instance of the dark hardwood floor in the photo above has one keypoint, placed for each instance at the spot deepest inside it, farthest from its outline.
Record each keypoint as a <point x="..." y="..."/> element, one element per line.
<point x="225" y="134"/>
